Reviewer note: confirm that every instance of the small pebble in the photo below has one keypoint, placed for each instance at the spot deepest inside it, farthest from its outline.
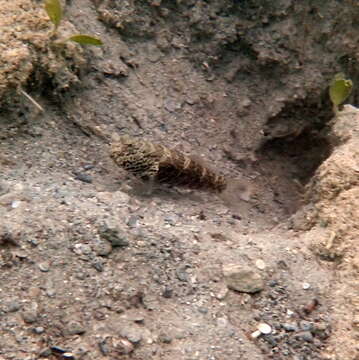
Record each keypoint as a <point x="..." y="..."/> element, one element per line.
<point x="260" y="264"/>
<point x="264" y="328"/>
<point x="30" y="316"/>
<point x="164" y="338"/>
<point x="75" y="328"/>
<point x="290" y="312"/>
<point x="132" y="221"/>
<point x="68" y="356"/>
<point x="172" y="105"/>
<point x="222" y="322"/>
<point x="306" y="325"/>
<point x="132" y="335"/>
<point x="139" y="319"/>
<point x="167" y="293"/>
<point x="273" y="283"/>
<point x="104" y="347"/>
<point x="15" y="204"/>
<point x="98" y="266"/>
<point x="181" y="273"/>
<point x="58" y="349"/>
<point x="320" y="327"/>
<point x="306" y="286"/>
<point x="13" y="306"/>
<point x="50" y="292"/>
<point x="222" y="293"/>
<point x="82" y="249"/>
<point x="44" y="266"/>
<point x="125" y="346"/>
<point x="203" y="310"/>
<point x="39" y="330"/>
<point x="305" y="336"/>
<point x="103" y="248"/>
<point x="81" y="275"/>
<point x="83" y="177"/>
<point x="256" y="334"/>
<point x="290" y="327"/>
<point x="171" y="219"/>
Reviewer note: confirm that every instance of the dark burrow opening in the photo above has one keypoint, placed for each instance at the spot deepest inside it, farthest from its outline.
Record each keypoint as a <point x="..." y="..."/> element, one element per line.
<point x="298" y="143"/>
<point x="301" y="155"/>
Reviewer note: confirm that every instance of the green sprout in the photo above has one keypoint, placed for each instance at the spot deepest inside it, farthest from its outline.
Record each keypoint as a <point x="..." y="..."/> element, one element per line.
<point x="339" y="90"/>
<point x="54" y="11"/>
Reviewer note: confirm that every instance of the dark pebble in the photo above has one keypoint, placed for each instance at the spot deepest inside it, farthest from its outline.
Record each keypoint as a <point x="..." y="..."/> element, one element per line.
<point x="83" y="177"/>
<point x="167" y="293"/>
<point x="98" y="266"/>
<point x="58" y="350"/>
<point x="290" y="327"/>
<point x="139" y="319"/>
<point x="282" y="265"/>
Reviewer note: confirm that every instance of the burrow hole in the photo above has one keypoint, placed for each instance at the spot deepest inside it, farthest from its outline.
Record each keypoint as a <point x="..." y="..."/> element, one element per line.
<point x="297" y="145"/>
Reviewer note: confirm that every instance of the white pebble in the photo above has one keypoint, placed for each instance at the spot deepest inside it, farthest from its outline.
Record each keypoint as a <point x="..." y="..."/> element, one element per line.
<point x="264" y="328"/>
<point x="15" y="204"/>
<point x="290" y="312"/>
<point x="306" y="286"/>
<point x="256" y="334"/>
<point x="260" y="264"/>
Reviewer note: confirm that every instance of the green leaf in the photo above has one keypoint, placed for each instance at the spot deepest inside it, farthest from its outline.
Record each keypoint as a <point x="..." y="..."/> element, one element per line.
<point x="85" y="40"/>
<point x="54" y="11"/>
<point x="340" y="88"/>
